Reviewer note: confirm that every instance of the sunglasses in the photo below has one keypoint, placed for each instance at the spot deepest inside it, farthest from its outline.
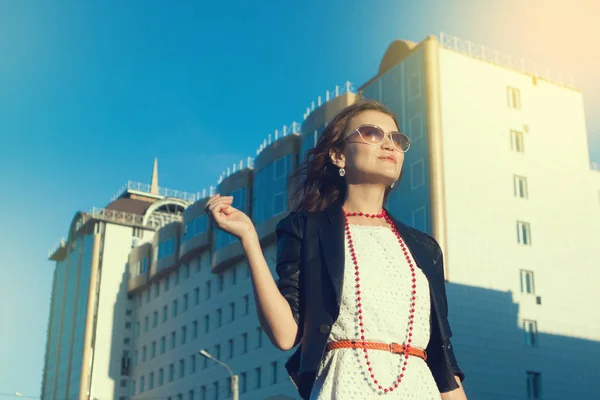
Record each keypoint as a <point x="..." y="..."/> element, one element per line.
<point x="374" y="135"/>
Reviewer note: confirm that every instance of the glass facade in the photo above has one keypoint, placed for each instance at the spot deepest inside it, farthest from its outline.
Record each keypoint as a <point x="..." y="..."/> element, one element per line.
<point x="309" y="141"/>
<point x="222" y="239"/>
<point x="166" y="248"/>
<point x="195" y="227"/>
<point x="270" y="194"/>
<point x="402" y="90"/>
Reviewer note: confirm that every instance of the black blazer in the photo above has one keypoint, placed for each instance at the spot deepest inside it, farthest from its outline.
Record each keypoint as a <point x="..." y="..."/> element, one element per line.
<point x="310" y="265"/>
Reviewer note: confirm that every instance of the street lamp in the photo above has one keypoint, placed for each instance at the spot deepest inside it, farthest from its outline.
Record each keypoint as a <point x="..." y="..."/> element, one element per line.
<point x="234" y="378"/>
<point x="19" y="394"/>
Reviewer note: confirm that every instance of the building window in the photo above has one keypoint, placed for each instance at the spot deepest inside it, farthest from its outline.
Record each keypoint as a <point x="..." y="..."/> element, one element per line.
<point x="191" y="395"/>
<point x="175" y="308"/>
<point x="123" y="383"/>
<point x="166" y="283"/>
<point x="129" y="313"/>
<point x="259" y="337"/>
<point x="176" y="275"/>
<point x="230" y="349"/>
<point x="514" y="98"/>
<point x="516" y="141"/>
<point x="244" y="343"/>
<point x="216" y="390"/>
<point x="220" y="282"/>
<point x="207" y="289"/>
<point x="523" y="233"/>
<point x="530" y="329"/>
<point x="135" y="357"/>
<point x="171" y="372"/>
<point x="142" y="381"/>
<point x="186" y="271"/>
<point x="274" y="372"/>
<point x="146" y="323"/>
<point x="231" y="311"/>
<point x="242" y="383"/>
<point x="534" y="385"/>
<point x="257" y="374"/>
<point x="195" y="329"/>
<point x="161" y="376"/>
<point x="196" y="296"/>
<point x="246" y="304"/>
<point x="154" y="319"/>
<point x="127" y="341"/>
<point x="219" y="317"/>
<point x="192" y="364"/>
<point x="163" y="345"/>
<point x="156" y="289"/>
<point x="179" y="396"/>
<point x="233" y="276"/>
<point x="173" y="339"/>
<point x="181" y="368"/>
<point x="128" y="326"/>
<point x="229" y="394"/>
<point x="183" y="335"/>
<point x="527" y="282"/>
<point x="144" y="354"/>
<point x="204" y="362"/>
<point x="153" y="350"/>
<point x="206" y="323"/>
<point x="151" y="381"/>
<point x="417" y="174"/>
<point x="166" y="248"/>
<point x="218" y="351"/>
<point x="185" y="302"/>
<point x="203" y="393"/>
<point x="520" y="186"/>
<point x="165" y="313"/>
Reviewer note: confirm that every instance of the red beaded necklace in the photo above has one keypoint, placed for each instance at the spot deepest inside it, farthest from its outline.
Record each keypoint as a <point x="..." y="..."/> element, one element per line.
<point x="384" y="215"/>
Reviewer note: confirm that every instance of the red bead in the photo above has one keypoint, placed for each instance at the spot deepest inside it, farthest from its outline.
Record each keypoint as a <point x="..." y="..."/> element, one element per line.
<point x="370" y="369"/>
<point x="359" y="304"/>
<point x="362" y="337"/>
<point x="401" y="375"/>
<point x="362" y="331"/>
<point x="372" y="376"/>
<point x="360" y="213"/>
<point x="395" y="385"/>
<point x="358" y="298"/>
<point x="385" y="390"/>
<point x="379" y="385"/>
<point x="366" y="215"/>
<point x="372" y="216"/>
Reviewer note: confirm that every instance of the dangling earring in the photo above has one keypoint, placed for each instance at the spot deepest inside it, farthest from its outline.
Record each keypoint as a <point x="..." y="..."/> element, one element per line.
<point x="342" y="172"/>
<point x="392" y="185"/>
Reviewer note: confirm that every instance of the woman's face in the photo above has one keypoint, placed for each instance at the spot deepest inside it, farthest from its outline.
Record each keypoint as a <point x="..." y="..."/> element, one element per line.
<point x="367" y="162"/>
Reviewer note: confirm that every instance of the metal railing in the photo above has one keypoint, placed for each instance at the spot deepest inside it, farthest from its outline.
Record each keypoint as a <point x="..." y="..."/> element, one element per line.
<point x="294" y="128"/>
<point x="506" y="60"/>
<point x="61" y="243"/>
<point x="146" y="188"/>
<point x="243" y="164"/>
<point x="347" y="87"/>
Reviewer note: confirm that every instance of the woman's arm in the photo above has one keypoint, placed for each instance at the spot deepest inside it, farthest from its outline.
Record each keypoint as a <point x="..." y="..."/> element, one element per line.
<point x="274" y="311"/>
<point x="456" y="394"/>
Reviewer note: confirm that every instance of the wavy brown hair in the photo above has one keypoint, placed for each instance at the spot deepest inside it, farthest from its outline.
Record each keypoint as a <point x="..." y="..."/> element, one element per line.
<point x="318" y="181"/>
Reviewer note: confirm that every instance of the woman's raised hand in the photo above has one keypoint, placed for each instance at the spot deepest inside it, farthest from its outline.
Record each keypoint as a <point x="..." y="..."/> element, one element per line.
<point x="228" y="218"/>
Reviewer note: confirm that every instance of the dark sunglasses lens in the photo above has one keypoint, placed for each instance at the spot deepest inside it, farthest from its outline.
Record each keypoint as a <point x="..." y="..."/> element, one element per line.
<point x="371" y="134"/>
<point x="401" y="140"/>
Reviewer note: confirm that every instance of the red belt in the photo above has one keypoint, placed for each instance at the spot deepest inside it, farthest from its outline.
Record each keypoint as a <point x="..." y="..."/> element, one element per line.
<point x="395" y="348"/>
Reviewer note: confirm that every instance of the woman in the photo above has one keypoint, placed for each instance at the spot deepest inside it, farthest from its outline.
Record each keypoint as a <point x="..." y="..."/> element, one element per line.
<point x="361" y="293"/>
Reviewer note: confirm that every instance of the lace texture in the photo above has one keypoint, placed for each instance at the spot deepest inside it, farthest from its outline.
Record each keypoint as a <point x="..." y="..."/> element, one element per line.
<point x="385" y="280"/>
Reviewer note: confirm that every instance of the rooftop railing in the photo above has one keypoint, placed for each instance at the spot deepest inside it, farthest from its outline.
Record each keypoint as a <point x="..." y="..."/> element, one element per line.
<point x="294" y="128"/>
<point x="506" y="60"/>
<point x="347" y="87"/>
<point x="61" y="243"/>
<point x="146" y="188"/>
<point x="243" y="164"/>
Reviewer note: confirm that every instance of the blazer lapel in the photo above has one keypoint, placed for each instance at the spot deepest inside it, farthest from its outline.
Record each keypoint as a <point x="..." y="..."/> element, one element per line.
<point x="331" y="239"/>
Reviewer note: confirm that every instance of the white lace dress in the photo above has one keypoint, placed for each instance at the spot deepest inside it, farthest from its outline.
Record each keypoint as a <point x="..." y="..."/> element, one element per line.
<point x="385" y="280"/>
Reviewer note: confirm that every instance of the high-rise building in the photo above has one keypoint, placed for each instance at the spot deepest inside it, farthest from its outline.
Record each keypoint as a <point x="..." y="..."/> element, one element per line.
<point x="498" y="172"/>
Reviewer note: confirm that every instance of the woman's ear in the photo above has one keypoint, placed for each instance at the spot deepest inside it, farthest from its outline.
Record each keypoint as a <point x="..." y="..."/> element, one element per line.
<point x="337" y="158"/>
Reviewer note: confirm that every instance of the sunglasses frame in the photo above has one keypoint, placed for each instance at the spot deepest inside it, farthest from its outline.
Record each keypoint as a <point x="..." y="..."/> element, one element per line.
<point x="357" y="130"/>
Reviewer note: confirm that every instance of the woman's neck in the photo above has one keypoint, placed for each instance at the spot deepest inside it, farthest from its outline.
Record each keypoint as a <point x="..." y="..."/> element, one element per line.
<point x="364" y="198"/>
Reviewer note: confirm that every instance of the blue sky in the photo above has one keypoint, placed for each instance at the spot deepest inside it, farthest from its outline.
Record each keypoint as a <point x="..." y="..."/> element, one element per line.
<point x="91" y="93"/>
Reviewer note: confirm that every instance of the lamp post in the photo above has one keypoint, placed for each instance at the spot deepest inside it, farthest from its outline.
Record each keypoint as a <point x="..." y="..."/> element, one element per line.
<point x="234" y="378"/>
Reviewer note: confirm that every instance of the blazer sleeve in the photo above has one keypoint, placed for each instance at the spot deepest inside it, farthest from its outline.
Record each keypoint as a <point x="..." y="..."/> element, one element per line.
<point x="447" y="344"/>
<point x="289" y="232"/>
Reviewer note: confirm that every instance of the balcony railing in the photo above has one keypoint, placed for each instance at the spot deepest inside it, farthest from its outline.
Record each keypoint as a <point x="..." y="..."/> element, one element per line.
<point x="294" y="128"/>
<point x="146" y="188"/>
<point x="347" y="87"/>
<point x="506" y="60"/>
<point x="243" y="164"/>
